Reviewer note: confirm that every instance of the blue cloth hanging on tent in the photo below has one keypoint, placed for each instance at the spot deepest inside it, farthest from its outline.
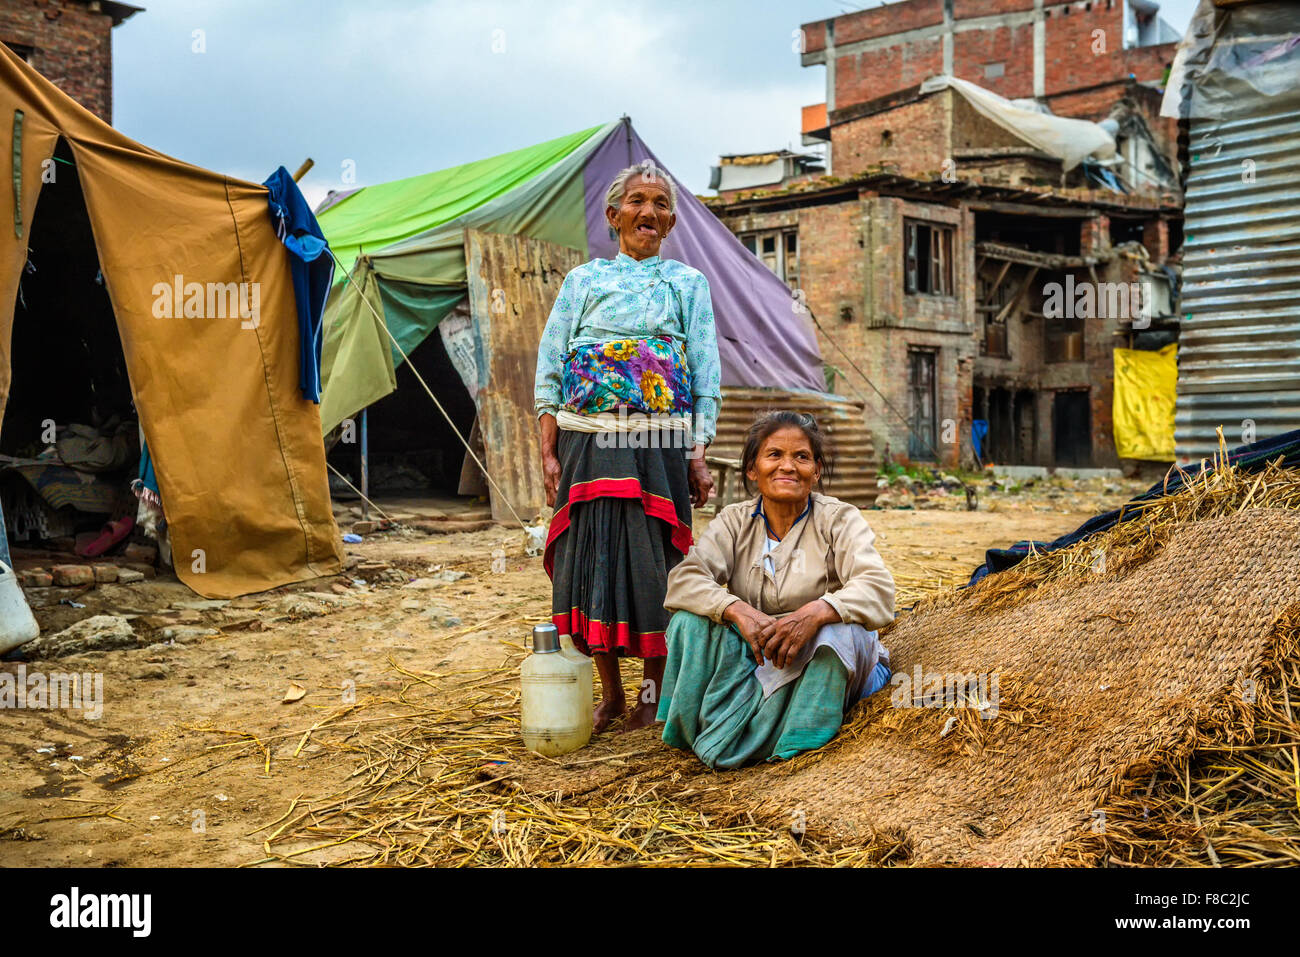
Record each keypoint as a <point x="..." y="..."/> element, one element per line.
<point x="145" y="476"/>
<point x="313" y="271"/>
<point x="979" y="430"/>
<point x="1248" y="458"/>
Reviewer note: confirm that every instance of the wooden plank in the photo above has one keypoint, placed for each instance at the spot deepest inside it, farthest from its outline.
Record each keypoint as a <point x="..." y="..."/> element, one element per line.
<point x="997" y="284"/>
<point x="513" y="282"/>
<point x="1012" y="302"/>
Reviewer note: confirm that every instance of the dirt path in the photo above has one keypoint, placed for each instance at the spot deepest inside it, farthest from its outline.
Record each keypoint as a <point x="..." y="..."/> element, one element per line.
<point x="171" y="774"/>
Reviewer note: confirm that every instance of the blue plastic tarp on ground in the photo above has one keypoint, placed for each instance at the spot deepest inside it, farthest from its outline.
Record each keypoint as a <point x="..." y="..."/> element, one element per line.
<point x="1249" y="458"/>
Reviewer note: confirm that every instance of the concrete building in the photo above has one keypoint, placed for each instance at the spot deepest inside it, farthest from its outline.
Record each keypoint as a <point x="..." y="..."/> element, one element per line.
<point x="739" y="171"/>
<point x="70" y="42"/>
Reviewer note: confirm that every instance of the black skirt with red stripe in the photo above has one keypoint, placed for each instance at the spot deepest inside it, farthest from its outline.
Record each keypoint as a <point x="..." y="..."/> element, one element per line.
<point x="622" y="522"/>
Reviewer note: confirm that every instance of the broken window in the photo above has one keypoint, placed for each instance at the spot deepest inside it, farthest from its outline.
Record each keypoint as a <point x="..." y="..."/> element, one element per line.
<point x="779" y="251"/>
<point x="25" y="52"/>
<point x="927" y="258"/>
<point x="792" y="260"/>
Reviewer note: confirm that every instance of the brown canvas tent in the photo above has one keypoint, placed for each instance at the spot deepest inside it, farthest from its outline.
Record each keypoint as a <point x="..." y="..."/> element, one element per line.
<point x="236" y="448"/>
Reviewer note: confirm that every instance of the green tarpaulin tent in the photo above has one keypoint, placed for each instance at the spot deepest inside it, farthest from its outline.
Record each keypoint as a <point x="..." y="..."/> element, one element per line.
<point x="401" y="249"/>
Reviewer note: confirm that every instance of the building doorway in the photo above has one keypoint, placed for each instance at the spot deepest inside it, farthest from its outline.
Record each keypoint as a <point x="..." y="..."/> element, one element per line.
<point x="922" y="440"/>
<point x="1072" y="429"/>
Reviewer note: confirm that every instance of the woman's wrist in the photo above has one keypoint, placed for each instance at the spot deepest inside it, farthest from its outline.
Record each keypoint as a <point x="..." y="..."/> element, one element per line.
<point x="737" y="610"/>
<point x="827" y="615"/>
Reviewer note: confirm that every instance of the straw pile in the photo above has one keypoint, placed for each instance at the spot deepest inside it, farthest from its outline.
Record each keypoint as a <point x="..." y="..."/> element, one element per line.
<point x="1144" y="713"/>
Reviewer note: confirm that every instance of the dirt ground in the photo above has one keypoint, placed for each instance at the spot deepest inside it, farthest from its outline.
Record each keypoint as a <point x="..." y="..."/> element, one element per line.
<point x="166" y="776"/>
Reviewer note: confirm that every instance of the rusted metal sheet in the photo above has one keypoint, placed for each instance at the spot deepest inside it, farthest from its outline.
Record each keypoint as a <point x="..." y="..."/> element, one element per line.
<point x="513" y="282"/>
<point x="1239" y="348"/>
<point x="841" y="419"/>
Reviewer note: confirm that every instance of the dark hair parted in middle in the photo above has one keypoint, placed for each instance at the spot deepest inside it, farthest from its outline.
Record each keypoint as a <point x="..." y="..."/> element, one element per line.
<point x="768" y="422"/>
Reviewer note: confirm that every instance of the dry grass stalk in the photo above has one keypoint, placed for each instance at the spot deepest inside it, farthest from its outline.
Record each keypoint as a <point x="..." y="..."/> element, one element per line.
<point x="436" y="778"/>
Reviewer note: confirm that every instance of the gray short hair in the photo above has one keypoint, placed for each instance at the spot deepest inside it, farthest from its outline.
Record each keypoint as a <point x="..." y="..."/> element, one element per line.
<point x="650" y="171"/>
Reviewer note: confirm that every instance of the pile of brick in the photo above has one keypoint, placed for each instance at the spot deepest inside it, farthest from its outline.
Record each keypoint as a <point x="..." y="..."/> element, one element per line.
<point x="135" y="564"/>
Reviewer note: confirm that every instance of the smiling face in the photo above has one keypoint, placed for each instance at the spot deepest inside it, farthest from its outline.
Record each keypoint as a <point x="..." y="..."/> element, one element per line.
<point x="643" y="218"/>
<point x="785" y="470"/>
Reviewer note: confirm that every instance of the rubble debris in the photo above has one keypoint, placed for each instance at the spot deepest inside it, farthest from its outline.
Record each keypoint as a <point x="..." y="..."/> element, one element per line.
<point x="96" y="633"/>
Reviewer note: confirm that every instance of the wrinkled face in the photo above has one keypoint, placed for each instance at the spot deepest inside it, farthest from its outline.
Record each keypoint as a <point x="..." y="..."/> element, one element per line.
<point x="644" y="217"/>
<point x="785" y="470"/>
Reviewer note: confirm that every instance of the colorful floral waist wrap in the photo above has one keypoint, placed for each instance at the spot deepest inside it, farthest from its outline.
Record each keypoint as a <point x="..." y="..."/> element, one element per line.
<point x="642" y="375"/>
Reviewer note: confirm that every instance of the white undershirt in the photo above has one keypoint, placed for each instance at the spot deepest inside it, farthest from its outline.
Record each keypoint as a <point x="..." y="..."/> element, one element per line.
<point x="771" y="545"/>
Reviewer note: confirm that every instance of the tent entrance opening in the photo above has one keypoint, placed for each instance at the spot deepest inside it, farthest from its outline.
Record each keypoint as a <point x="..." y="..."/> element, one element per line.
<point x="68" y="370"/>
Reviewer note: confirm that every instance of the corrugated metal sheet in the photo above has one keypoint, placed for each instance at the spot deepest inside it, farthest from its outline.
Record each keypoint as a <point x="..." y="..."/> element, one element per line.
<point x="1239" y="350"/>
<point x="513" y="282"/>
<point x="841" y="420"/>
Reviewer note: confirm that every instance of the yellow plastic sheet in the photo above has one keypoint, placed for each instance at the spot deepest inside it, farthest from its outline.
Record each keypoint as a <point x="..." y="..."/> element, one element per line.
<point x="1143" y="410"/>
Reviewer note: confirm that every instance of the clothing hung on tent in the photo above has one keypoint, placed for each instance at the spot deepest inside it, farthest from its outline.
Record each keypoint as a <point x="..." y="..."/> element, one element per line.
<point x="236" y="448"/>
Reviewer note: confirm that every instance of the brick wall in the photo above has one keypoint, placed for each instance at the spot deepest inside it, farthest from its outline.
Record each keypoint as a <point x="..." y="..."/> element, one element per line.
<point x="1155" y="237"/>
<point x="914" y="139"/>
<point x="851" y="273"/>
<point x="871" y="74"/>
<point x="1083" y="48"/>
<point x="72" y="46"/>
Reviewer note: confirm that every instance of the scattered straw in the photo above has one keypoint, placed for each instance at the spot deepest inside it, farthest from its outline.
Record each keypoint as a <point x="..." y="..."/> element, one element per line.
<point x="441" y="777"/>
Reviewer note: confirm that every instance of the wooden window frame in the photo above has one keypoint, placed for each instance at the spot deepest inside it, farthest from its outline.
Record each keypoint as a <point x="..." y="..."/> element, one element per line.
<point x="933" y="275"/>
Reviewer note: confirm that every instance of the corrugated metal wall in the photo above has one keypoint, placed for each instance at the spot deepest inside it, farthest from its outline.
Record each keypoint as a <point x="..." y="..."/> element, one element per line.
<point x="1239" y="350"/>
<point x="841" y="419"/>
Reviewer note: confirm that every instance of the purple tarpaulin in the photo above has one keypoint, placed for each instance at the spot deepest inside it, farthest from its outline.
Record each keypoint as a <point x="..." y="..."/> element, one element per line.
<point x="762" y="340"/>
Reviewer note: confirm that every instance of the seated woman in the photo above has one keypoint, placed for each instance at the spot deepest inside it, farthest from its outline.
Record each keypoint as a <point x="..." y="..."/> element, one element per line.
<point x="775" y="609"/>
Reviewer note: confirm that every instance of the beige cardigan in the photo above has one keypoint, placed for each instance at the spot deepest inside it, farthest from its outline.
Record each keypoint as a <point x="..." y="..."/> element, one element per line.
<point x="828" y="554"/>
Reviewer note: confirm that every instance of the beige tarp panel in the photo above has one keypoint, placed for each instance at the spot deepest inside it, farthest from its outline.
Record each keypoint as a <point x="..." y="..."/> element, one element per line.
<point x="236" y="449"/>
<point x="513" y="282"/>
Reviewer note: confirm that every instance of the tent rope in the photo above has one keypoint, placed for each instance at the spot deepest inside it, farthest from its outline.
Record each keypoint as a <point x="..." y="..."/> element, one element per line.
<point x="407" y="359"/>
<point x="344" y="479"/>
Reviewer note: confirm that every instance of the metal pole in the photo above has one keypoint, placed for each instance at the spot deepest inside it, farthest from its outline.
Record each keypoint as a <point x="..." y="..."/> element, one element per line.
<point x="365" y="466"/>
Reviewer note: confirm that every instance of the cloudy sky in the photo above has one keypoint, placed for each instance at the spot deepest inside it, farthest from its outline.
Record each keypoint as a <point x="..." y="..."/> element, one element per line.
<point x="400" y="87"/>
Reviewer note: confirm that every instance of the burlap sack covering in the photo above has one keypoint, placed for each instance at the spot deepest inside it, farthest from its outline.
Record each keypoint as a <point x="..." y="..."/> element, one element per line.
<point x="1099" y="671"/>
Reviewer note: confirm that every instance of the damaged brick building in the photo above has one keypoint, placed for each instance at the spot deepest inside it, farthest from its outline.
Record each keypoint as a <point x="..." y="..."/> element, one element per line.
<point x="979" y="260"/>
<point x="69" y="41"/>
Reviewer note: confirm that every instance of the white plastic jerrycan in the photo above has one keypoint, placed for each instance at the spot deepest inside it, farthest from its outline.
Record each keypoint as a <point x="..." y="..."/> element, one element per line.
<point x="555" y="694"/>
<point x="17" y="626"/>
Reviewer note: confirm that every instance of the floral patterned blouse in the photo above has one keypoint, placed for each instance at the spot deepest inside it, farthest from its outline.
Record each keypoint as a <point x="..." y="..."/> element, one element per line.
<point x="621" y="298"/>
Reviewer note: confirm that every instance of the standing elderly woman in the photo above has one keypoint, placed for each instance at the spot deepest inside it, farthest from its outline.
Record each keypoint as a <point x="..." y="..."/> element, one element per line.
<point x="773" y="637"/>
<point x="634" y="336"/>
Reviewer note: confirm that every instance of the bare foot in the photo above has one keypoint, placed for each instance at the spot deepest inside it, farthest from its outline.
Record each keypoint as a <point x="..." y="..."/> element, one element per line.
<point x="642" y="716"/>
<point x="606" y="711"/>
